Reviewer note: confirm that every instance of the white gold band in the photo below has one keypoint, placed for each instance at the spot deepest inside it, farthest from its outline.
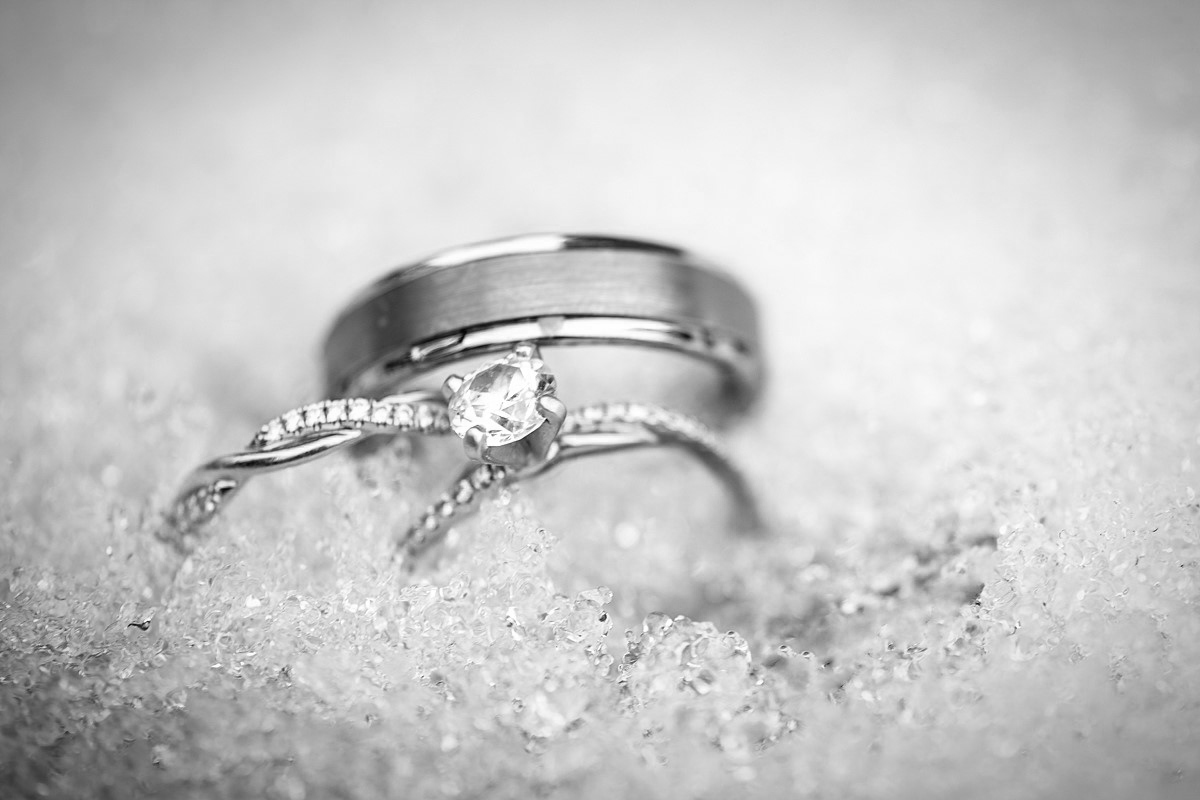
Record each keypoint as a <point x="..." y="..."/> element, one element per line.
<point x="551" y="290"/>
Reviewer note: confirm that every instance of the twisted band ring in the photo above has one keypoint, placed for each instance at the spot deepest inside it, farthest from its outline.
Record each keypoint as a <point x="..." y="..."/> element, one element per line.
<point x="550" y="436"/>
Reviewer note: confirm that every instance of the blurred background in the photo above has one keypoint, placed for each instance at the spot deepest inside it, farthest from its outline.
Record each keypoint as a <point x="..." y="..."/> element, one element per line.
<point x="973" y="228"/>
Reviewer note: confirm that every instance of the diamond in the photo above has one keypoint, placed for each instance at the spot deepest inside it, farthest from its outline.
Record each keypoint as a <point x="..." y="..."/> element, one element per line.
<point x="335" y="411"/>
<point x="501" y="398"/>
<point x="314" y="416"/>
<point x="272" y="432"/>
<point x="359" y="409"/>
<point x="481" y="478"/>
<point x="402" y="416"/>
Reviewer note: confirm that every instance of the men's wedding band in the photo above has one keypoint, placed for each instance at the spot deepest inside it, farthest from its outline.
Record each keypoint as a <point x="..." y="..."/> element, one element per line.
<point x="550" y="290"/>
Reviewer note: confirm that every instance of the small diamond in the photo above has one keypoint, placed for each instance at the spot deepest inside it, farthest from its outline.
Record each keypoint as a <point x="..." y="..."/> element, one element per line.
<point x="359" y="410"/>
<point x="424" y="417"/>
<point x="335" y="411"/>
<point x="272" y="432"/>
<point x="501" y="398"/>
<point x="482" y="477"/>
<point x="656" y="417"/>
<point x="292" y="421"/>
<point x="381" y="414"/>
<point x="314" y="416"/>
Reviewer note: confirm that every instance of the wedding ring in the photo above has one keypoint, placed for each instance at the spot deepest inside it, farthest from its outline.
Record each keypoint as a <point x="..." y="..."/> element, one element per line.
<point x="509" y="298"/>
<point x="511" y="424"/>
<point x="555" y="290"/>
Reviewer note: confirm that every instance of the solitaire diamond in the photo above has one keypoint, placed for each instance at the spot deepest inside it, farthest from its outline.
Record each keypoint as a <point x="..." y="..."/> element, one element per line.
<point x="501" y="399"/>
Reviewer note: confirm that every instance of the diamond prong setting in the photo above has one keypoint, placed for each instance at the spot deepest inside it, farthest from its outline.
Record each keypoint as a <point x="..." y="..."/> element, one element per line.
<point x="475" y="443"/>
<point x="505" y="411"/>
<point x="552" y="409"/>
<point x="451" y="385"/>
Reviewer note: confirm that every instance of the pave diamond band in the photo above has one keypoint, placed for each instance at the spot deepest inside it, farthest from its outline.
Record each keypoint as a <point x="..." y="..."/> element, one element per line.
<point x="297" y="437"/>
<point x="309" y="432"/>
<point x="607" y="427"/>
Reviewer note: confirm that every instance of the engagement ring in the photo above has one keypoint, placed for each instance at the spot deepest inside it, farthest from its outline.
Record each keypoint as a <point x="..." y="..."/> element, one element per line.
<point x="506" y="411"/>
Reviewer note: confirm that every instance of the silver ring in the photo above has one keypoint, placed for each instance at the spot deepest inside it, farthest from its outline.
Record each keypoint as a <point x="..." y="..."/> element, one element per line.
<point x="509" y="295"/>
<point x="549" y="290"/>
<point x="512" y="426"/>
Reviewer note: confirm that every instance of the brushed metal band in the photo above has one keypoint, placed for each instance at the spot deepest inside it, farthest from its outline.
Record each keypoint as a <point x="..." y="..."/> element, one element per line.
<point x="549" y="289"/>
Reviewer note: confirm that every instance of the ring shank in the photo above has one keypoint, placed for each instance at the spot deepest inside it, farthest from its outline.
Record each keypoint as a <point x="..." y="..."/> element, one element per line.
<point x="550" y="290"/>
